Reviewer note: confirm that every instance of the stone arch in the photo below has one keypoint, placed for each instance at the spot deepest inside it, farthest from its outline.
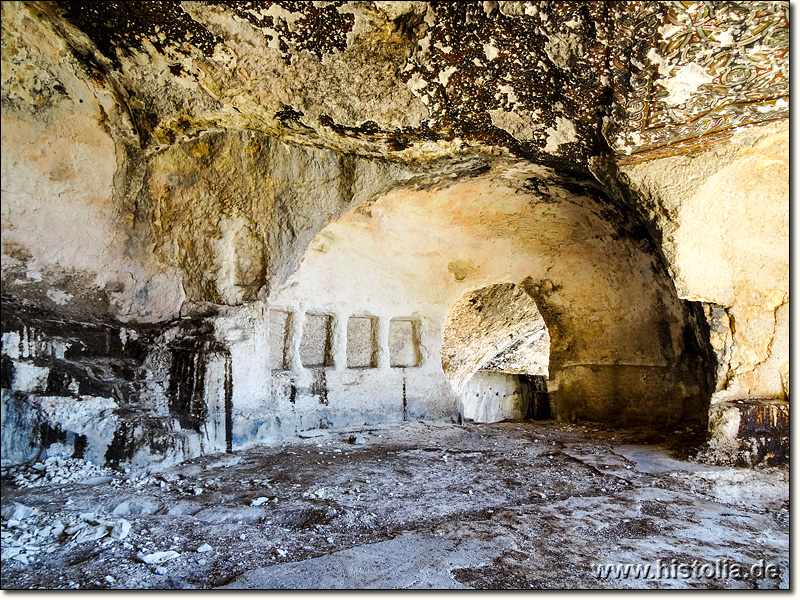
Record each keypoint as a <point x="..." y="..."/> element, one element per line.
<point x="495" y="340"/>
<point x="483" y="324"/>
<point x="619" y="348"/>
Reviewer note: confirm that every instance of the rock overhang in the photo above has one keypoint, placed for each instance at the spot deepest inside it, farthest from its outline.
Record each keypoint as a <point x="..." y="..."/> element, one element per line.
<point x="557" y="83"/>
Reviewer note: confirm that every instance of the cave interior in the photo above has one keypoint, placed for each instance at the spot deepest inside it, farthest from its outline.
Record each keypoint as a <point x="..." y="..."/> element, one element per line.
<point x="394" y="294"/>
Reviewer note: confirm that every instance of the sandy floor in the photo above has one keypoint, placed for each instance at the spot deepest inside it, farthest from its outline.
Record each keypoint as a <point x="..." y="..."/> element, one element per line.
<point x="416" y="505"/>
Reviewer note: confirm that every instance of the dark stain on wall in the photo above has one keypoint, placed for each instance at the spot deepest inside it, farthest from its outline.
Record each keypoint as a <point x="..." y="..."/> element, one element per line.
<point x="319" y="386"/>
<point x="50" y="435"/>
<point x="534" y="394"/>
<point x="318" y="29"/>
<point x="122" y="26"/>
<point x="228" y="403"/>
<point x="405" y="399"/>
<point x="6" y="372"/>
<point x="187" y="387"/>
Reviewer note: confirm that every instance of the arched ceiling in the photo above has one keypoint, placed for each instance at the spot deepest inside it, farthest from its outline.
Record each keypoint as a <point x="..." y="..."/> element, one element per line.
<point x="557" y="82"/>
<point x="167" y="153"/>
<point x="491" y="324"/>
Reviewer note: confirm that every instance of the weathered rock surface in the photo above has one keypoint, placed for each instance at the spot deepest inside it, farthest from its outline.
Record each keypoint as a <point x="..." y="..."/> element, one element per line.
<point x="199" y="197"/>
<point x="484" y="323"/>
<point x="739" y="190"/>
<point x="533" y="505"/>
<point x="747" y="433"/>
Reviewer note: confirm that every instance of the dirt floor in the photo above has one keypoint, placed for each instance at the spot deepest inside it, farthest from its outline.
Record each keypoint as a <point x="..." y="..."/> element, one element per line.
<point x="416" y="505"/>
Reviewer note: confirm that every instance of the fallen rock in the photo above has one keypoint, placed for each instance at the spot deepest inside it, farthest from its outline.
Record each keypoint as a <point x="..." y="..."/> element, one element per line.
<point x="59" y="470"/>
<point x="140" y="505"/>
<point x="91" y="533"/>
<point x="58" y="529"/>
<point x="96" y="480"/>
<point x="205" y="548"/>
<point x="18" y="512"/>
<point x="9" y="553"/>
<point x="121" y="530"/>
<point x="156" y="558"/>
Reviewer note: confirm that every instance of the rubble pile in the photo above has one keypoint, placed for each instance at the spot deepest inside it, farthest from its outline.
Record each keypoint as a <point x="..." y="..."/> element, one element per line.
<point x="27" y="532"/>
<point x="57" y="469"/>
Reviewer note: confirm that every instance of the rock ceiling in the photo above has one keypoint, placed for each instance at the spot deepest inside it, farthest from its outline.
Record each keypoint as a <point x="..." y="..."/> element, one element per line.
<point x="714" y="66"/>
<point x="554" y="82"/>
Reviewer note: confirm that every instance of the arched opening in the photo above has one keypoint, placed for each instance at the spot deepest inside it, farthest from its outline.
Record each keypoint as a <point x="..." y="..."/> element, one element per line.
<point x="578" y="319"/>
<point x="496" y="354"/>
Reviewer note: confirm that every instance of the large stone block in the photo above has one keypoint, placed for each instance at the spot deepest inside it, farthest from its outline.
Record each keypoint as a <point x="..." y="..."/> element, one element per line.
<point x="315" y="345"/>
<point x="748" y="432"/>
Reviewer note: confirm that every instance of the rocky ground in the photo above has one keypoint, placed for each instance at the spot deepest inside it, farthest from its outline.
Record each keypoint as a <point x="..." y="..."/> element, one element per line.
<point x="417" y="505"/>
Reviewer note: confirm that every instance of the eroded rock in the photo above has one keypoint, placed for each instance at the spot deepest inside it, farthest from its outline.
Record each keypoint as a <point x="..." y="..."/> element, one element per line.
<point x="225" y="223"/>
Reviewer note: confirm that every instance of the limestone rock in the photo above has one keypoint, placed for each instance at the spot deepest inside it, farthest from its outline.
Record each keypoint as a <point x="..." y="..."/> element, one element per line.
<point x="745" y="268"/>
<point x="121" y="530"/>
<point x="156" y="558"/>
<point x="224" y="224"/>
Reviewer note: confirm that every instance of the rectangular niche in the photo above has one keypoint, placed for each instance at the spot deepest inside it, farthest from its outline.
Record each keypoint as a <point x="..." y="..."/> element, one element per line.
<point x="280" y="337"/>
<point x="315" y="345"/>
<point x="404" y="343"/>
<point x="362" y="342"/>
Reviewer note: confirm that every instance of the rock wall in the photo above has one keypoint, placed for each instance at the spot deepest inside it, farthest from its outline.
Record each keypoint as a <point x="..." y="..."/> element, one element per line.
<point x="493" y="324"/>
<point x="223" y="224"/>
<point x="723" y="214"/>
<point x="621" y="344"/>
<point x="489" y="397"/>
<point x="91" y="391"/>
<point x="69" y="240"/>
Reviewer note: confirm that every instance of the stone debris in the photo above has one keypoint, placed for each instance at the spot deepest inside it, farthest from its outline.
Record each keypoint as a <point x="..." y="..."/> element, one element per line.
<point x="259" y="501"/>
<point x="89" y="533"/>
<point x="17" y="512"/>
<point x="59" y="470"/>
<point x="205" y="548"/>
<point x="27" y="532"/>
<point x="356" y="440"/>
<point x="319" y="493"/>
<point x="121" y="530"/>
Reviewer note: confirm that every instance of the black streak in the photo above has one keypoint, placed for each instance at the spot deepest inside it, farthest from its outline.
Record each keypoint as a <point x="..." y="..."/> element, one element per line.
<point x="319" y="386"/>
<point x="228" y="404"/>
<point x="405" y="400"/>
